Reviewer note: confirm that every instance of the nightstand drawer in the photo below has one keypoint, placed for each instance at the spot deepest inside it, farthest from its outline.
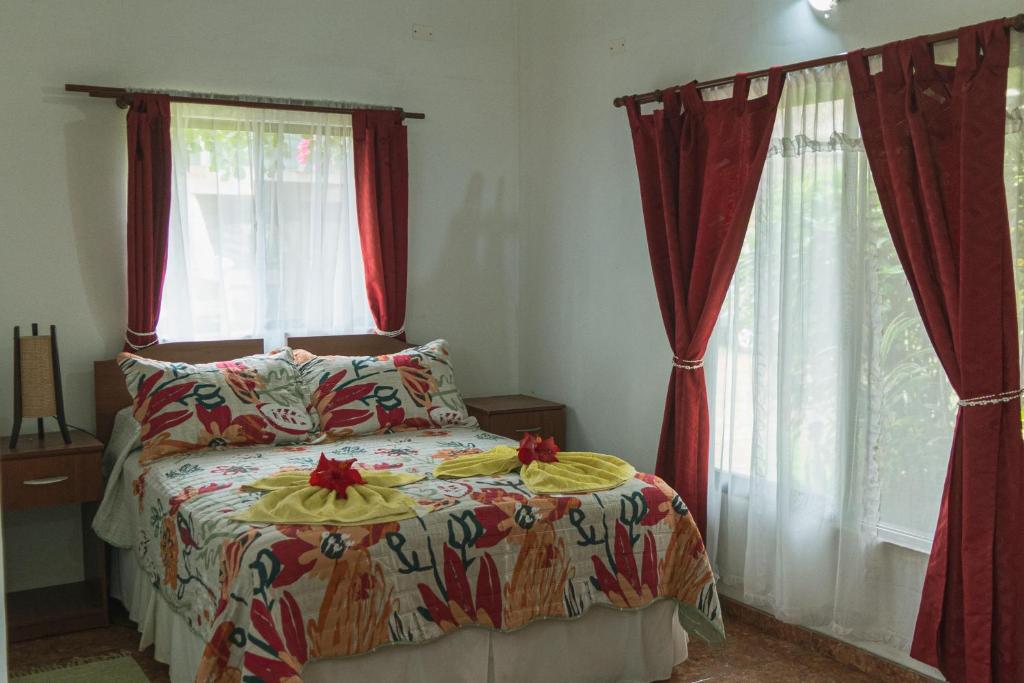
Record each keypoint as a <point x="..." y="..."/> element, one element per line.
<point x="515" y="425"/>
<point x="515" y="415"/>
<point x="51" y="480"/>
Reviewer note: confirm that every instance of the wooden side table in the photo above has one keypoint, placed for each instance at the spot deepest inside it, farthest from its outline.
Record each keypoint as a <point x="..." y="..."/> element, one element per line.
<point x="44" y="473"/>
<point x="515" y="415"/>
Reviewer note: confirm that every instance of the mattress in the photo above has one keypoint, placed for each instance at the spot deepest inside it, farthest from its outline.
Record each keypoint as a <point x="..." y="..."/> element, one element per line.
<point x="267" y="599"/>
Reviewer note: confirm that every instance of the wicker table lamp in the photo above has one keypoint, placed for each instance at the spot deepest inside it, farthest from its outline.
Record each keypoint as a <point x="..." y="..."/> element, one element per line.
<point x="37" y="389"/>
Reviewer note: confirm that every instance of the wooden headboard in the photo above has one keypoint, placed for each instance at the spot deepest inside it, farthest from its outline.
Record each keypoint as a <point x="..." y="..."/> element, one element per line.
<point x="112" y="395"/>
<point x="349" y="345"/>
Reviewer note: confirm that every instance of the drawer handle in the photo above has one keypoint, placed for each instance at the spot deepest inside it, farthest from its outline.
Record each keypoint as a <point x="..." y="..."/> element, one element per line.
<point x="528" y="429"/>
<point x="46" y="481"/>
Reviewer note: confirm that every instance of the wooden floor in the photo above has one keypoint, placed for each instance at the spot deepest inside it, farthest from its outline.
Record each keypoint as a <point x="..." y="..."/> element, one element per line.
<point x="750" y="654"/>
<point x="120" y="636"/>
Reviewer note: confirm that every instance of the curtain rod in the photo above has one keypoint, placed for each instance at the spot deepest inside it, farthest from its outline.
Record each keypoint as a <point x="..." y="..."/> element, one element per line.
<point x="1016" y="23"/>
<point x="123" y="98"/>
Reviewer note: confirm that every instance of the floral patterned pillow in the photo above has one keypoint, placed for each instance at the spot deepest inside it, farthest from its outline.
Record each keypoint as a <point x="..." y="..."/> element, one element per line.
<point x="248" y="401"/>
<point x="353" y="395"/>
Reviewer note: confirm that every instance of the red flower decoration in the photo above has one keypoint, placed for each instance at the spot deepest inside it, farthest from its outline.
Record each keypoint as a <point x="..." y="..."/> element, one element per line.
<point x="336" y="475"/>
<point x="533" y="448"/>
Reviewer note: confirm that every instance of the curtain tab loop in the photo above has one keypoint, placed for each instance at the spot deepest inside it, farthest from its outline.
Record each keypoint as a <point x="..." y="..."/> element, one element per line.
<point x="740" y="90"/>
<point x="684" y="364"/>
<point x="776" y="81"/>
<point x="860" y="75"/>
<point x="692" y="99"/>
<point x="894" y="67"/>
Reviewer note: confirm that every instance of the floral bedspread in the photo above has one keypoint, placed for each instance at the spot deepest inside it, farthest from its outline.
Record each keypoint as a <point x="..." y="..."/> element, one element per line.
<point x="268" y="598"/>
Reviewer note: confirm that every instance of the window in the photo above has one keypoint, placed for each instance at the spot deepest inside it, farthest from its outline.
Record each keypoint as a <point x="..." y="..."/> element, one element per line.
<point x="823" y="373"/>
<point x="263" y="234"/>
<point x="831" y="417"/>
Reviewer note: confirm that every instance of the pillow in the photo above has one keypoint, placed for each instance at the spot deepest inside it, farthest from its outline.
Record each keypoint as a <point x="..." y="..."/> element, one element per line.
<point x="181" y="407"/>
<point x="353" y="395"/>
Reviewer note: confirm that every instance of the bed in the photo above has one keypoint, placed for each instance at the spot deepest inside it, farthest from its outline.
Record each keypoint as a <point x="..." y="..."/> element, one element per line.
<point x="493" y="583"/>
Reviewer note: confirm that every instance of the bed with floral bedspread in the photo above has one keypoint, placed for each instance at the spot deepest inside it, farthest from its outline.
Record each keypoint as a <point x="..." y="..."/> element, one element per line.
<point x="267" y="598"/>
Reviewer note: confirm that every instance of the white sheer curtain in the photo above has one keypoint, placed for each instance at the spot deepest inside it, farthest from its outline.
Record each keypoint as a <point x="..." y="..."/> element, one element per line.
<point x="263" y="236"/>
<point x="831" y="416"/>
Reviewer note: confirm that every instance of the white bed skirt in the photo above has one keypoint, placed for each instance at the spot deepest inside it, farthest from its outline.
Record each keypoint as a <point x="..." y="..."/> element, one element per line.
<point x="602" y="645"/>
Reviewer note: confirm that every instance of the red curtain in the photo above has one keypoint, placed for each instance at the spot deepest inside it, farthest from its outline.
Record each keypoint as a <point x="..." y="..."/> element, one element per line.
<point x="699" y="171"/>
<point x="934" y="137"/>
<point x="382" y="200"/>
<point x="149" y="209"/>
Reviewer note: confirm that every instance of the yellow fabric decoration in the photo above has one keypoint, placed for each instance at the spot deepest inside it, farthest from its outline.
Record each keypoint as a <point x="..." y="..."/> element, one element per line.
<point x="499" y="460"/>
<point x="291" y="499"/>
<point x="571" y="473"/>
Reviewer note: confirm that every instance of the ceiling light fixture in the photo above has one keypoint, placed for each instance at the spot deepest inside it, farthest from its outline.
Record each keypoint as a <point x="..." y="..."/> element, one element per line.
<point x="823" y="6"/>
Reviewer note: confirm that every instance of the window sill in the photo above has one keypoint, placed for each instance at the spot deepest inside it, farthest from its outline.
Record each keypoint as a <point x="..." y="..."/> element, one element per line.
<point x="885" y="533"/>
<point x="903" y="538"/>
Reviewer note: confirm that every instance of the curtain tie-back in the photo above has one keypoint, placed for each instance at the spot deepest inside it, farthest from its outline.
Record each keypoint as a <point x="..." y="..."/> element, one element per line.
<point x="138" y="347"/>
<point x="684" y="364"/>
<point x="989" y="399"/>
<point x="391" y="333"/>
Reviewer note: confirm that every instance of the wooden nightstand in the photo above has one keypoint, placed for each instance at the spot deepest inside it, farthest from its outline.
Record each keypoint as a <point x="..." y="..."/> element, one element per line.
<point x="513" y="416"/>
<point x="43" y="473"/>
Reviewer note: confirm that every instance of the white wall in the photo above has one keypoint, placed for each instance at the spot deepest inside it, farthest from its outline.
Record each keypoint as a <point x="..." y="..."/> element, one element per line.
<point x="62" y="165"/>
<point x="590" y="331"/>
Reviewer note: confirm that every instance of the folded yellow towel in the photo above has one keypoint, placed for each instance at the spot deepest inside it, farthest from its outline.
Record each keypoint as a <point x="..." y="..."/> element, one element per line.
<point x="569" y="473"/>
<point x="291" y="499"/>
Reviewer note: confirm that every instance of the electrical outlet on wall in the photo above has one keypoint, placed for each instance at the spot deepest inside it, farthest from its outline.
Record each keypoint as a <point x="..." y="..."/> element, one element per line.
<point x="422" y="32"/>
<point x="617" y="46"/>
